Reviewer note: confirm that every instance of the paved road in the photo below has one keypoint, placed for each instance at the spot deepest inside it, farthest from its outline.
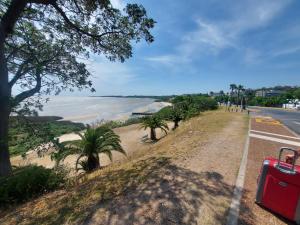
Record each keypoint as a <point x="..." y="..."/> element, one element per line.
<point x="290" y="118"/>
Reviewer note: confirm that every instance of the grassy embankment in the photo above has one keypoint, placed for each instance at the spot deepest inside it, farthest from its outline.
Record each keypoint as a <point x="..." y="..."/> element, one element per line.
<point x="74" y="204"/>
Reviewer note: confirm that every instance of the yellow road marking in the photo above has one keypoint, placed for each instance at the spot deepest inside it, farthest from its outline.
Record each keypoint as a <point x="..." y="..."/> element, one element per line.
<point x="268" y="120"/>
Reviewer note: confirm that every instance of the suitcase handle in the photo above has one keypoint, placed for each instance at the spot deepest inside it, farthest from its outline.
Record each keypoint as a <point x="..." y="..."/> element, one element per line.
<point x="284" y="169"/>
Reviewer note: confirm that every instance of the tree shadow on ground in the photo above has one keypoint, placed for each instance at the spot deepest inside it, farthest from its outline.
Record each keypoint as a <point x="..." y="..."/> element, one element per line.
<point x="171" y="195"/>
<point x="150" y="191"/>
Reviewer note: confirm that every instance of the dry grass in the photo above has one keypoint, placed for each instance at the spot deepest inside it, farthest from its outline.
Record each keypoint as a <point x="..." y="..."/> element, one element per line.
<point x="74" y="204"/>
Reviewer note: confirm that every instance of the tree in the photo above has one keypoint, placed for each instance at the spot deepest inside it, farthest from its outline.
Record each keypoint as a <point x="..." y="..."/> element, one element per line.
<point x="94" y="142"/>
<point x="297" y="94"/>
<point x="173" y="113"/>
<point x="41" y="66"/>
<point x="154" y="122"/>
<point x="233" y="87"/>
<point x="36" y="34"/>
<point x="240" y="88"/>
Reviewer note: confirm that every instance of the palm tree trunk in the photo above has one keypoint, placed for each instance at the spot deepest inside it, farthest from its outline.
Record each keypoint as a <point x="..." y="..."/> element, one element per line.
<point x="238" y="98"/>
<point x="5" y="93"/>
<point x="93" y="163"/>
<point x="152" y="134"/>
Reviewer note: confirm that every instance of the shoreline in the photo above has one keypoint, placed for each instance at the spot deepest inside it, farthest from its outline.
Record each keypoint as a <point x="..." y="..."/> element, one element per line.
<point x="129" y="131"/>
<point x="150" y="108"/>
<point x="91" y="110"/>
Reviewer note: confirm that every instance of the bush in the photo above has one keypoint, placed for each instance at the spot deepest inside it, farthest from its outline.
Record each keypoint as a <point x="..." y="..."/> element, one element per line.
<point x="192" y="105"/>
<point x="28" y="182"/>
<point x="115" y="124"/>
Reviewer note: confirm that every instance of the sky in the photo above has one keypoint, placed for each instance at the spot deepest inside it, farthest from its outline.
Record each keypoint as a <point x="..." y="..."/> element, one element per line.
<point x="205" y="45"/>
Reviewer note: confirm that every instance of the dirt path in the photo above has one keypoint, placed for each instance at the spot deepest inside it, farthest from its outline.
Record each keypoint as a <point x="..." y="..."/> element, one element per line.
<point x="194" y="188"/>
<point x="262" y="145"/>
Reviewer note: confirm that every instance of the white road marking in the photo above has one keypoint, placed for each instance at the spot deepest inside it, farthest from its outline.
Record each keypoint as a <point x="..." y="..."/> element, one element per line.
<point x="279" y="140"/>
<point x="296" y="122"/>
<point x="234" y="211"/>
<point x="279" y="135"/>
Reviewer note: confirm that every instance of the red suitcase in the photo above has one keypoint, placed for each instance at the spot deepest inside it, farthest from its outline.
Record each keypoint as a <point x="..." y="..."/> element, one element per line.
<point x="279" y="186"/>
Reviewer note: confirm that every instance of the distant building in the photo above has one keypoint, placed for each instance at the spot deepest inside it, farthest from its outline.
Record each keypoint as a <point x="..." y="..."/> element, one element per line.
<point x="295" y="104"/>
<point x="216" y="94"/>
<point x="268" y="93"/>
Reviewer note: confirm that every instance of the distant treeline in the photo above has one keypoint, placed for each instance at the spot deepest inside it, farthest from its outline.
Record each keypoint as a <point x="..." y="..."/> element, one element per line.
<point x="162" y="98"/>
<point x="269" y="97"/>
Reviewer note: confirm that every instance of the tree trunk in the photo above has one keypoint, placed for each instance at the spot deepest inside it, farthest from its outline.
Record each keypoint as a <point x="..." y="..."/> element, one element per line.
<point x="175" y="124"/>
<point x="152" y="134"/>
<point x="93" y="163"/>
<point x="7" y="24"/>
<point x="5" y="93"/>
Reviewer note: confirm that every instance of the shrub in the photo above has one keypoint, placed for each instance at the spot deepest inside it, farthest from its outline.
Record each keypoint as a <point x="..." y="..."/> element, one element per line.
<point x="192" y="105"/>
<point x="28" y="182"/>
<point x="115" y="124"/>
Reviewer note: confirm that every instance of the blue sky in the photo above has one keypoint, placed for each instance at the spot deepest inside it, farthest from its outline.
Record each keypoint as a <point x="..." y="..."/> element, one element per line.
<point x="203" y="46"/>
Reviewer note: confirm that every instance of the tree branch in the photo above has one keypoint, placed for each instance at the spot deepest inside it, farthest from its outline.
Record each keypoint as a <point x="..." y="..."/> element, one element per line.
<point x="10" y="18"/>
<point x="26" y="94"/>
<point x="20" y="72"/>
<point x="78" y="29"/>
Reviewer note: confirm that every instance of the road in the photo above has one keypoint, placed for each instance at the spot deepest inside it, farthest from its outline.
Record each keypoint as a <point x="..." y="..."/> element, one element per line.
<point x="289" y="118"/>
<point x="266" y="137"/>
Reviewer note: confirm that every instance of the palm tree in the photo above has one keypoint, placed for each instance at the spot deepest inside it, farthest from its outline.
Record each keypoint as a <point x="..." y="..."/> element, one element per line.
<point x="176" y="116"/>
<point x="93" y="142"/>
<point x="240" y="88"/>
<point x="172" y="113"/>
<point x="154" y="122"/>
<point x="233" y="87"/>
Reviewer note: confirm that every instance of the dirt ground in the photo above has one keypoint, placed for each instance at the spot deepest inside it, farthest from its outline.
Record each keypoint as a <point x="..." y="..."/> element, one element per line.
<point x="187" y="177"/>
<point x="195" y="189"/>
<point x="259" y="149"/>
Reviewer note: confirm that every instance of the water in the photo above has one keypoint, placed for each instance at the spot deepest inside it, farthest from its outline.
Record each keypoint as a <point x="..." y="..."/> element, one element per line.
<point x="93" y="109"/>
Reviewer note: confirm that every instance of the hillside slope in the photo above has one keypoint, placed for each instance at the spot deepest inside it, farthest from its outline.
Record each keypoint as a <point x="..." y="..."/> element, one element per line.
<point x="185" y="178"/>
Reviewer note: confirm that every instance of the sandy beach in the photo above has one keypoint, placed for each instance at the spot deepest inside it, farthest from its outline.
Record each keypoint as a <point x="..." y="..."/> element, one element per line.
<point x="131" y="139"/>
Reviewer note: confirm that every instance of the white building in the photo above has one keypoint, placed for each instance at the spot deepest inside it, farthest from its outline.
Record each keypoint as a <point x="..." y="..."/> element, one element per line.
<point x="295" y="104"/>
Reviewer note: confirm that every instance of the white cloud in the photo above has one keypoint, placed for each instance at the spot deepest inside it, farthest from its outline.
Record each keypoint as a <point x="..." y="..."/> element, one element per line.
<point x="208" y="35"/>
<point x="167" y="60"/>
<point x="119" y="4"/>
<point x="217" y="35"/>
<point x="285" y="51"/>
<point x="213" y="36"/>
<point x="108" y="77"/>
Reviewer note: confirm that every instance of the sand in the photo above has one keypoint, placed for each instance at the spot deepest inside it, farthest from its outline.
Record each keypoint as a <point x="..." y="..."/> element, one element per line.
<point x="131" y="139"/>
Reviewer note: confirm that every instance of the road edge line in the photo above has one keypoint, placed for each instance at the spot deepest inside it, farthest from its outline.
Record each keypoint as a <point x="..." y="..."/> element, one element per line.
<point x="290" y="130"/>
<point x="234" y="211"/>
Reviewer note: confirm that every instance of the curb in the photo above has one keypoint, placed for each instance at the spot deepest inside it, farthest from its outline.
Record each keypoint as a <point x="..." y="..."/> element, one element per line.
<point x="234" y="210"/>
